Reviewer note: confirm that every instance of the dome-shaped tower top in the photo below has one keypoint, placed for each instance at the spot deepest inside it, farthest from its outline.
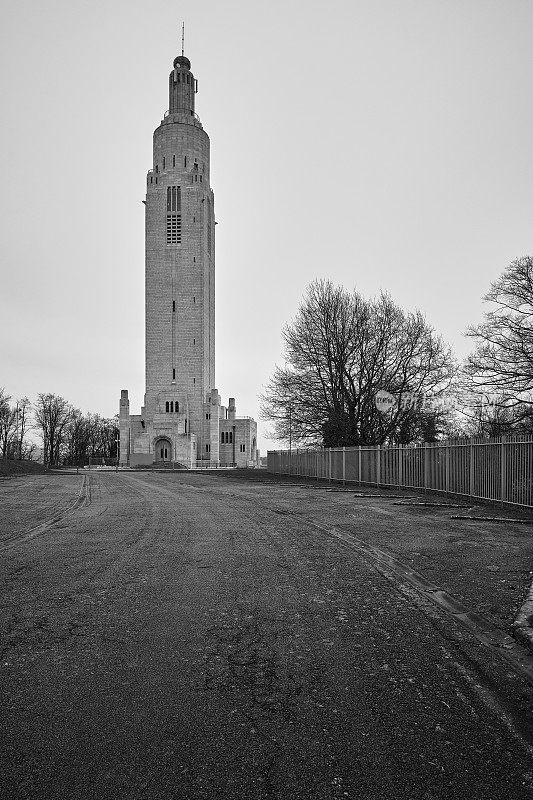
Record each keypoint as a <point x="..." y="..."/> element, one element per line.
<point x="182" y="61"/>
<point x="182" y="86"/>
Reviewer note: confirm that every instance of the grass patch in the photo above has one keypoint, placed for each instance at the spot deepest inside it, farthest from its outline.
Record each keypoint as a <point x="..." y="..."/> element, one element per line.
<point x="9" y="466"/>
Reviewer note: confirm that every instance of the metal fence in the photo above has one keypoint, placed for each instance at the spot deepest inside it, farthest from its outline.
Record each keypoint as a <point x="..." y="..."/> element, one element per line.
<point x="499" y="469"/>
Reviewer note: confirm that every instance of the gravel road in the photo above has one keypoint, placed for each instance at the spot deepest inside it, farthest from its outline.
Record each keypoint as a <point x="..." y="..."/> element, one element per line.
<point x="187" y="636"/>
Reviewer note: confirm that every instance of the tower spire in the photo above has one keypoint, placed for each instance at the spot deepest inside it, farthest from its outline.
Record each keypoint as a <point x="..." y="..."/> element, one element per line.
<point x="183" y="38"/>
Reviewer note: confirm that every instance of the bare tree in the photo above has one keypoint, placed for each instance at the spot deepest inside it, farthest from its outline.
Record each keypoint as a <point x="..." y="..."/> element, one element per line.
<point x="7" y="424"/>
<point x="502" y="362"/>
<point x="340" y="351"/>
<point x="53" y="415"/>
<point x="77" y="438"/>
<point x="90" y="436"/>
<point x="22" y="411"/>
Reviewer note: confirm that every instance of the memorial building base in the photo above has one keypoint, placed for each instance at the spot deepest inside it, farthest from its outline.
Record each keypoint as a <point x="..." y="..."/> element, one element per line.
<point x="163" y="436"/>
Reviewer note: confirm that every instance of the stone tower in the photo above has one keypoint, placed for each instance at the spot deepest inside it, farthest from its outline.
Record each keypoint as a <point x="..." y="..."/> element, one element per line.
<point x="180" y="257"/>
<point x="180" y="419"/>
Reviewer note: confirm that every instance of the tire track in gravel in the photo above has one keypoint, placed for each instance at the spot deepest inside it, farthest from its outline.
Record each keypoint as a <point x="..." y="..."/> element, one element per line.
<point x="115" y="538"/>
<point x="496" y="641"/>
<point x="154" y="516"/>
<point x="83" y="499"/>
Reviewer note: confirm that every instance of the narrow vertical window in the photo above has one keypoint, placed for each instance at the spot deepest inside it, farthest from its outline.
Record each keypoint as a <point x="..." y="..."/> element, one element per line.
<point x="231" y="437"/>
<point x="172" y="406"/>
<point x="173" y="161"/>
<point x="164" y="162"/>
<point x="157" y="168"/>
<point x="151" y="179"/>
<point x="167" y="407"/>
<point x="173" y="374"/>
<point x="173" y="305"/>
<point x="185" y="161"/>
<point x="222" y="438"/>
<point x="209" y="230"/>
<point x="173" y="215"/>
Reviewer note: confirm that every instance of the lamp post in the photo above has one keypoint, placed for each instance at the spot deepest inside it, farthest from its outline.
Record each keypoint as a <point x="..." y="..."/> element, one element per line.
<point x="290" y="439"/>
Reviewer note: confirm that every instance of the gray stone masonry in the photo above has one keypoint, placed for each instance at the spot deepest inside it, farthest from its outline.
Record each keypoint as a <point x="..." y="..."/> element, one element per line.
<point x="182" y="409"/>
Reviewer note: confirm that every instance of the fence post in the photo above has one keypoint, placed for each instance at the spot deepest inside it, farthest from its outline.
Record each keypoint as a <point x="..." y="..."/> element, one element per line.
<point x="471" y="468"/>
<point x="378" y="465"/>
<point x="425" y="466"/>
<point x="400" y="466"/>
<point x="503" y="470"/>
<point x="343" y="466"/>
<point x="359" y="466"/>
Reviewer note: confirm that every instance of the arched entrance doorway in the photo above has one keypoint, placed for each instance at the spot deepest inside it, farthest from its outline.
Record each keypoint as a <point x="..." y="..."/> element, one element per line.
<point x="163" y="450"/>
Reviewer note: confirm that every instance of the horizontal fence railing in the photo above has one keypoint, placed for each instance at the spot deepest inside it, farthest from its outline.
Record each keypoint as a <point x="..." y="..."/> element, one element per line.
<point x="497" y="470"/>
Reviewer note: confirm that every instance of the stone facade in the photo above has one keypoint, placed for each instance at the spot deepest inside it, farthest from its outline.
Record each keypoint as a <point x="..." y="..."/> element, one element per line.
<point x="182" y="419"/>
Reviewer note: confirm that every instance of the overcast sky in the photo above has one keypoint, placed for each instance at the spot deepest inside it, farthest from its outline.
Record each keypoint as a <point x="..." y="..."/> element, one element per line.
<point x="385" y="144"/>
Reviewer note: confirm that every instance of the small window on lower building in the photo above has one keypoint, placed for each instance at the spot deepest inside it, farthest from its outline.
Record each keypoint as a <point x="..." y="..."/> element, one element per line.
<point x="173" y="374"/>
<point x="173" y="161"/>
<point x="167" y="408"/>
<point x="173" y="305"/>
<point x="231" y="437"/>
<point x="208" y="448"/>
<point x="171" y="406"/>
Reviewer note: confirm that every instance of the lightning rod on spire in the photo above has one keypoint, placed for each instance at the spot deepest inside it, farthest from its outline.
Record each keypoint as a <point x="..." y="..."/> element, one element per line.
<point x="183" y="38"/>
